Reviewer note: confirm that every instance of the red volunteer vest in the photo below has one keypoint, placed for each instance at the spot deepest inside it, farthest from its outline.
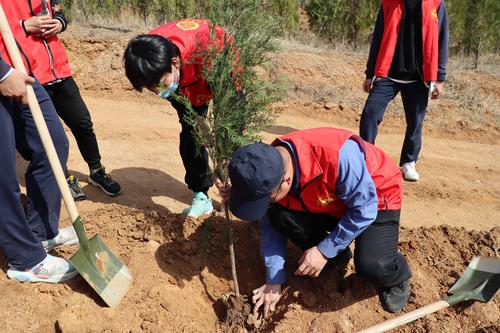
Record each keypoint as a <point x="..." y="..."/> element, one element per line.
<point x="318" y="151"/>
<point x="192" y="37"/>
<point x="13" y="11"/>
<point x="52" y="62"/>
<point x="393" y="12"/>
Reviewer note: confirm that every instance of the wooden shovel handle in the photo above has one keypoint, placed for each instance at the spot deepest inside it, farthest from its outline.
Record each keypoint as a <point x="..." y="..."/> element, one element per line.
<point x="406" y="318"/>
<point x="41" y="126"/>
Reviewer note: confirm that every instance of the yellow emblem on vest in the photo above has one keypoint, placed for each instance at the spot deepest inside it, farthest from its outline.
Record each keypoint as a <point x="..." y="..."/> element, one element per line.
<point x="188" y="25"/>
<point x="325" y="200"/>
<point x="434" y="14"/>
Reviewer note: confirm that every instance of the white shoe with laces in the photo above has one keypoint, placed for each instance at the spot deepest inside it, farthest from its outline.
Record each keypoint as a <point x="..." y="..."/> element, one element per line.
<point x="409" y="171"/>
<point x="66" y="237"/>
<point x="50" y="270"/>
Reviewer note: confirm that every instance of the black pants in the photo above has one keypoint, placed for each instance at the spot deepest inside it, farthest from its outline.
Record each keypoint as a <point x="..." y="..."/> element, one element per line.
<point x="415" y="98"/>
<point x="71" y="108"/>
<point x="198" y="176"/>
<point x="376" y="253"/>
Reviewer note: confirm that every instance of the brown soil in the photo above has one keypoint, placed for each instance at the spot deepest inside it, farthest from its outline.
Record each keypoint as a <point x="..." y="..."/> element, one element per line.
<point x="181" y="267"/>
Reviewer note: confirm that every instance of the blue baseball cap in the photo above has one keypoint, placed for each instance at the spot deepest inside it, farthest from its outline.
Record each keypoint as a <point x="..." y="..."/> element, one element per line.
<point x="255" y="171"/>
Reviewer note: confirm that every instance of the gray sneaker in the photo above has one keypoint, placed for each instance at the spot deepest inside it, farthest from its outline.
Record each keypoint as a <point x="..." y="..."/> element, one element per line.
<point x="66" y="237"/>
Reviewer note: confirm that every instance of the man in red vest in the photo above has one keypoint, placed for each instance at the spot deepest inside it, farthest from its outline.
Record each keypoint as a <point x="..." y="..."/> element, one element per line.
<point x="28" y="233"/>
<point x="41" y="27"/>
<point x="322" y="188"/>
<point x="169" y="60"/>
<point x="408" y="54"/>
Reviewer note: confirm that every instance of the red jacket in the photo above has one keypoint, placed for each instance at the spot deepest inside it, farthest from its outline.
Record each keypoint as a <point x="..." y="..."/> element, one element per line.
<point x="52" y="62"/>
<point x="13" y="12"/>
<point x="192" y="37"/>
<point x="318" y="163"/>
<point x="393" y="12"/>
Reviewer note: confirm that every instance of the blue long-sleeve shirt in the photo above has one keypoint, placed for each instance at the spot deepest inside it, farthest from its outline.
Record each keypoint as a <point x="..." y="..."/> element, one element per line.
<point x="355" y="188"/>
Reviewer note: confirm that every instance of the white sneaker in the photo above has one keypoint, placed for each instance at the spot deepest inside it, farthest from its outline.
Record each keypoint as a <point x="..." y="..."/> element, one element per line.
<point x="51" y="270"/>
<point x="410" y="172"/>
<point x="66" y="237"/>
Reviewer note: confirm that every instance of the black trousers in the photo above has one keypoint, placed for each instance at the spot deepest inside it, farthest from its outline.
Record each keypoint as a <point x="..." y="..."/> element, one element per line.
<point x="198" y="176"/>
<point x="71" y="108"/>
<point x="415" y="98"/>
<point x="376" y="253"/>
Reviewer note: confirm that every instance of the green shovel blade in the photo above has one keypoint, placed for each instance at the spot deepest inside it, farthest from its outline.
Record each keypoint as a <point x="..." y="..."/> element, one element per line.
<point x="480" y="281"/>
<point x="100" y="267"/>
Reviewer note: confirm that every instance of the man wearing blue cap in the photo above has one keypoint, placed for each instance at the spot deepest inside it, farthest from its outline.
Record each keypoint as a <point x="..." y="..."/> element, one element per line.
<point x="330" y="188"/>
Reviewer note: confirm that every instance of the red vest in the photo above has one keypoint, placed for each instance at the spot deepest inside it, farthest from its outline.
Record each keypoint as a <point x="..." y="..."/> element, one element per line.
<point x="52" y="62"/>
<point x="192" y="37"/>
<point x="318" y="152"/>
<point x="393" y="12"/>
<point x="13" y="11"/>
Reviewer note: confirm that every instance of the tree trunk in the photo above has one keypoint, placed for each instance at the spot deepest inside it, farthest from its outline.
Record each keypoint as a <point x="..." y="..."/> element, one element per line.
<point x="232" y="257"/>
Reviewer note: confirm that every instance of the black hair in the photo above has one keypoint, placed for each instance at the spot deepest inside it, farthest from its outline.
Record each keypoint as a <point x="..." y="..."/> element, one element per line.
<point x="147" y="58"/>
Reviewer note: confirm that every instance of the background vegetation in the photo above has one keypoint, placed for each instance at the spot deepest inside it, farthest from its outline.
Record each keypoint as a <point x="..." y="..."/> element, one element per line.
<point x="474" y="25"/>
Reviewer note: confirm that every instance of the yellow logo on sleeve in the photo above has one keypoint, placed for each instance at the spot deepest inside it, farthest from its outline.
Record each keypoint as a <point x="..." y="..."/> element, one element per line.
<point x="188" y="25"/>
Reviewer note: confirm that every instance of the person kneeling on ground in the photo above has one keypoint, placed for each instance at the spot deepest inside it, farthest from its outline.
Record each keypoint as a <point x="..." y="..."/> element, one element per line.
<point x="169" y="60"/>
<point x="322" y="188"/>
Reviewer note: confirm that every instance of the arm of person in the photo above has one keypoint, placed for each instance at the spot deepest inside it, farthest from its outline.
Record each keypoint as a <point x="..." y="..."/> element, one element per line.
<point x="357" y="191"/>
<point x="273" y="251"/>
<point x="443" y="32"/>
<point x="13" y="82"/>
<point x="58" y="14"/>
<point x="374" y="48"/>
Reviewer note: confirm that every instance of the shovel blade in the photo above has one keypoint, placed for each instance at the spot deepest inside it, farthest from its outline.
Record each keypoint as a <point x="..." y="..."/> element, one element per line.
<point x="103" y="270"/>
<point x="480" y="281"/>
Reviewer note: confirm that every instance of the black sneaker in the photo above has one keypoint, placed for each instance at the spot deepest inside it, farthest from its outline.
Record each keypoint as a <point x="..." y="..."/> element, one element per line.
<point x="395" y="298"/>
<point x="75" y="189"/>
<point x="101" y="179"/>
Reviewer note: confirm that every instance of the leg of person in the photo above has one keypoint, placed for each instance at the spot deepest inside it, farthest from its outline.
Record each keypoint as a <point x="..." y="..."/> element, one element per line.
<point x="195" y="159"/>
<point x="377" y="258"/>
<point x="75" y="114"/>
<point x="305" y="229"/>
<point x="383" y="91"/>
<point x="415" y="99"/>
<point x="27" y="258"/>
<point x="73" y="184"/>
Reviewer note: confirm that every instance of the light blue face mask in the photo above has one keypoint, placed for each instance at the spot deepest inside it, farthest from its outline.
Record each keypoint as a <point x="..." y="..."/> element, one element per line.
<point x="165" y="92"/>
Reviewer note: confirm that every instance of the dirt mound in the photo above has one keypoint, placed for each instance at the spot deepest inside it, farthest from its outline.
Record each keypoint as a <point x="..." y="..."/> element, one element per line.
<point x="181" y="272"/>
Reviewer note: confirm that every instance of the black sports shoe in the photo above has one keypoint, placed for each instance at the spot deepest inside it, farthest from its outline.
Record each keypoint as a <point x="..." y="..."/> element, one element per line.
<point x="101" y="179"/>
<point x="395" y="298"/>
<point x="75" y="189"/>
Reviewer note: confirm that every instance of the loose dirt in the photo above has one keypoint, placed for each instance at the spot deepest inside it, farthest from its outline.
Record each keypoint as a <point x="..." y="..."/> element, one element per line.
<point x="181" y="267"/>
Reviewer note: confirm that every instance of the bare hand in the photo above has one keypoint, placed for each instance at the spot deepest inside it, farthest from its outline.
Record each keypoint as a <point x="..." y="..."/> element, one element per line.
<point x="367" y="85"/>
<point x="438" y="89"/>
<point x="38" y="24"/>
<point x="15" y="86"/>
<point x="52" y="29"/>
<point x="224" y="189"/>
<point x="267" y="295"/>
<point x="311" y="263"/>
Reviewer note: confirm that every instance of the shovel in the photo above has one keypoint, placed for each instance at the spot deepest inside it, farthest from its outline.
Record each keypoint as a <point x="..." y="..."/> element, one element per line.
<point x="480" y="282"/>
<point x="103" y="270"/>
